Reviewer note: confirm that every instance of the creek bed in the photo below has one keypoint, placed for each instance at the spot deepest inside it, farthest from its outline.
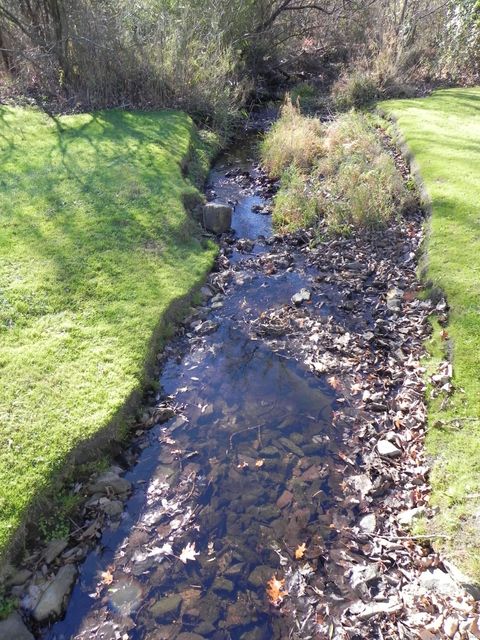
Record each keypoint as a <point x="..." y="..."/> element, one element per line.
<point x="242" y="471"/>
<point x="279" y="472"/>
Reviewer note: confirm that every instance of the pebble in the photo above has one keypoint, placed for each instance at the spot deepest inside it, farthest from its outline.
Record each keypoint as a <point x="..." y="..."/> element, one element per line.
<point x="440" y="582"/>
<point x="19" y="577"/>
<point x="167" y="607"/>
<point x="285" y="499"/>
<point x="368" y="523"/>
<point x="54" y="549"/>
<point x="406" y="518"/>
<point x="387" y="449"/>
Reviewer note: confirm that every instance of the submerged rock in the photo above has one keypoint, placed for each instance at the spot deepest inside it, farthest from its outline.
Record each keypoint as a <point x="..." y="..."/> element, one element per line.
<point x="303" y="295"/>
<point x="222" y="586"/>
<point x="167" y="607"/>
<point x="52" y="601"/>
<point x="260" y="576"/>
<point x="285" y="499"/>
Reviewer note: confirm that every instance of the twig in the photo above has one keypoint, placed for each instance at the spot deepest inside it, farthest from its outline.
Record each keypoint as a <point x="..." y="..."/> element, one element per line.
<point x="411" y="537"/>
<point x="257" y="426"/>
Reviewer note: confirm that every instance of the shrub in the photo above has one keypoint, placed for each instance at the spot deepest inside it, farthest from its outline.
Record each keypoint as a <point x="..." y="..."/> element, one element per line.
<point x="294" y="139"/>
<point x="357" y="89"/>
<point x="295" y="206"/>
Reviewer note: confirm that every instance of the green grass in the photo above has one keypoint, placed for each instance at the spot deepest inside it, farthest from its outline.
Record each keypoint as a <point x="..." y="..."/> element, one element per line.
<point x="443" y="133"/>
<point x="95" y="246"/>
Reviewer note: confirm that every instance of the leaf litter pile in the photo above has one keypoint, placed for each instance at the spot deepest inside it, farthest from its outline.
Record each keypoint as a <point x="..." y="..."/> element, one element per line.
<point x="281" y="470"/>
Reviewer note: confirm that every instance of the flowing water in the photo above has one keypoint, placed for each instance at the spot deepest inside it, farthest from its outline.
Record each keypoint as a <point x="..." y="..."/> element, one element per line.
<point x="243" y="473"/>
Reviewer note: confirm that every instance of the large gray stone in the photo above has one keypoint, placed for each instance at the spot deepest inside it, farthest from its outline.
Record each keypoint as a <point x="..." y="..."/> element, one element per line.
<point x="217" y="217"/>
<point x="109" y="482"/>
<point x="12" y="628"/>
<point x="52" y="601"/>
<point x="440" y="582"/>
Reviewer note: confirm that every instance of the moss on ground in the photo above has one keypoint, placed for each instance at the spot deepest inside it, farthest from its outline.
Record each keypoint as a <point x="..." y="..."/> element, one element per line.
<point x="95" y="246"/>
<point x="443" y="133"/>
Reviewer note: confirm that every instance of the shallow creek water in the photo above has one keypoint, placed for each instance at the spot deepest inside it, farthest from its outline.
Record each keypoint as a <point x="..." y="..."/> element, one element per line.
<point x="244" y="471"/>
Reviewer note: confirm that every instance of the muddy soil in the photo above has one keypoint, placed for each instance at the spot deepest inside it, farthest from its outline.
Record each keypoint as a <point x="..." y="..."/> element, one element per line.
<point x="281" y="467"/>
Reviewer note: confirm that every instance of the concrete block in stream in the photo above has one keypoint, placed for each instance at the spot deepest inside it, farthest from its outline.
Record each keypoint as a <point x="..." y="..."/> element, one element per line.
<point x="217" y="217"/>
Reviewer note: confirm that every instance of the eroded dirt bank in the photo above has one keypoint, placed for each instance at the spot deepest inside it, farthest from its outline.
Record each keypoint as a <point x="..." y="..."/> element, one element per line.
<point x="281" y="467"/>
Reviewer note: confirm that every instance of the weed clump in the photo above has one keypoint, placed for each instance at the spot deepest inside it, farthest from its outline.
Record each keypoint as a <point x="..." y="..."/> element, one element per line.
<point x="294" y="140"/>
<point x="341" y="171"/>
<point x="354" y="90"/>
<point x="361" y="185"/>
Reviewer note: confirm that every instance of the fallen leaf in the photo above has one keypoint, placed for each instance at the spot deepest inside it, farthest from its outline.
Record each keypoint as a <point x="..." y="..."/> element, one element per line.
<point x="334" y="382"/>
<point x="260" y="463"/>
<point x="300" y="551"/>
<point x="188" y="553"/>
<point x="276" y="591"/>
<point x="106" y="577"/>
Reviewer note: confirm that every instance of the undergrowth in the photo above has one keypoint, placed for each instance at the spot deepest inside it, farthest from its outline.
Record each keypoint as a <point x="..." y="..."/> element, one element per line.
<point x="340" y="170"/>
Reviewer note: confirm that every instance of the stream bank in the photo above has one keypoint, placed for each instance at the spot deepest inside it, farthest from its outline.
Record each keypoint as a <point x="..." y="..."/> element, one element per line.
<point x="282" y="464"/>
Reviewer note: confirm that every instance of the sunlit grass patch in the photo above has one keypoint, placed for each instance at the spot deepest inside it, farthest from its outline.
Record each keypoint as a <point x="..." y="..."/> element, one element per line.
<point x="95" y="246"/>
<point x="443" y="133"/>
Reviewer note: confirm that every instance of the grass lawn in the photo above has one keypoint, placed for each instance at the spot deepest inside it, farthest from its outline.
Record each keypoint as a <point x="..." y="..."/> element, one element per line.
<point x="443" y="133"/>
<point x="95" y="244"/>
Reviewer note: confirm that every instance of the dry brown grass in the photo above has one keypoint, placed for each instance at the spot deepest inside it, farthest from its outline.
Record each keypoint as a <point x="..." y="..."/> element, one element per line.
<point x="294" y="140"/>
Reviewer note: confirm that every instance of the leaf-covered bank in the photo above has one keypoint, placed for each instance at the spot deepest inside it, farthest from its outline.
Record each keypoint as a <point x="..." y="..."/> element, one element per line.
<point x="96" y="245"/>
<point x="443" y="134"/>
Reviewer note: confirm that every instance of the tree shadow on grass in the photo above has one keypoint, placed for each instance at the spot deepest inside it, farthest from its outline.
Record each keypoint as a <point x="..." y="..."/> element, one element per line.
<point x="106" y="187"/>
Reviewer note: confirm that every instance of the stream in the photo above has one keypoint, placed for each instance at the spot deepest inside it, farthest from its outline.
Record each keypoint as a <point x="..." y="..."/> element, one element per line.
<point x="248" y="416"/>
<point x="280" y="466"/>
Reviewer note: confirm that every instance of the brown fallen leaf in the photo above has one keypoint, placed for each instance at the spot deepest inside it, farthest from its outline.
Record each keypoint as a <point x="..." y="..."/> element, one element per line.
<point x="474" y="629"/>
<point x="334" y="382"/>
<point x="300" y="551"/>
<point x="260" y="463"/>
<point x="276" y="591"/>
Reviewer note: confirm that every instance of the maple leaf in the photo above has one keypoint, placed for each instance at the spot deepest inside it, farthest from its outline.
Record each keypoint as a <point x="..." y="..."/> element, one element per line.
<point x="300" y="551"/>
<point x="334" y="382"/>
<point x="188" y="553"/>
<point x="106" y="577"/>
<point x="276" y="591"/>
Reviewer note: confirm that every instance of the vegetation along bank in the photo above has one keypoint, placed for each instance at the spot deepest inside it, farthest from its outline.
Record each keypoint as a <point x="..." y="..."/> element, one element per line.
<point x="96" y="245"/>
<point x="442" y="132"/>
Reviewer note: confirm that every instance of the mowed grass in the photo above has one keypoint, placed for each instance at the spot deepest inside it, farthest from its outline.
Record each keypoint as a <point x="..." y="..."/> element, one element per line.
<point x="443" y="133"/>
<point x="95" y="245"/>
